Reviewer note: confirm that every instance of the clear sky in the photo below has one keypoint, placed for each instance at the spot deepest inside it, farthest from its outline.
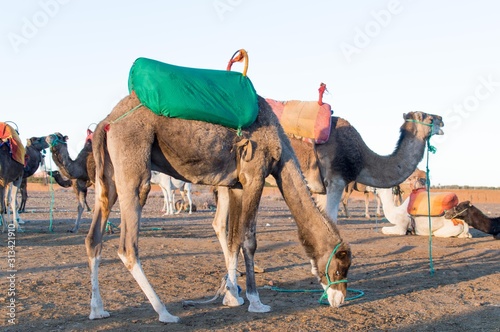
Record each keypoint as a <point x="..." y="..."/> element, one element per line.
<point x="65" y="63"/>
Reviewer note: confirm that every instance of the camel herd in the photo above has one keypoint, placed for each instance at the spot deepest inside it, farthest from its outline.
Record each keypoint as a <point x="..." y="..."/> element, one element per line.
<point x="133" y="147"/>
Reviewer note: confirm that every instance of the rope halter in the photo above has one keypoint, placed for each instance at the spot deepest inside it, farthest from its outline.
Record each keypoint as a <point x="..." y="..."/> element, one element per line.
<point x="330" y="282"/>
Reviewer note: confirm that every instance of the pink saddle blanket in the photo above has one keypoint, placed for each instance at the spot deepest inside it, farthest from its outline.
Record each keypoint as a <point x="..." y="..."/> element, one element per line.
<point x="439" y="202"/>
<point x="304" y="119"/>
<point x="9" y="135"/>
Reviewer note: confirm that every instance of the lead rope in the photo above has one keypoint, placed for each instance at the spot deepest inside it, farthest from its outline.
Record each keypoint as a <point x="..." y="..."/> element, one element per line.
<point x="432" y="149"/>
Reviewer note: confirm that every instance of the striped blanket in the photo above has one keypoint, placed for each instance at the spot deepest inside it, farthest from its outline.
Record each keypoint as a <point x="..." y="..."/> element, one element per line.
<point x="9" y="136"/>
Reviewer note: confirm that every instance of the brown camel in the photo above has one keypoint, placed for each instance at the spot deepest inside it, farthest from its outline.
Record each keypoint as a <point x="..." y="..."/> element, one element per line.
<point x="82" y="169"/>
<point x="11" y="174"/>
<point x="132" y="140"/>
<point x="366" y="190"/>
<point x="345" y="157"/>
<point x="34" y="158"/>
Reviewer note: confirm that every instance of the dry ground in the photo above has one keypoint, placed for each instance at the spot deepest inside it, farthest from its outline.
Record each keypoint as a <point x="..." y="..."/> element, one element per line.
<point x="182" y="258"/>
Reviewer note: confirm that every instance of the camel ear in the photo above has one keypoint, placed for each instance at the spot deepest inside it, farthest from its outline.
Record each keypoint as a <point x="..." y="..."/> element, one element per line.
<point x="66" y="138"/>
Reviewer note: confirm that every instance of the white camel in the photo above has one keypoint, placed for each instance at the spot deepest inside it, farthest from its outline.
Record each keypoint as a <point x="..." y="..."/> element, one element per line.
<point x="405" y="223"/>
<point x="168" y="185"/>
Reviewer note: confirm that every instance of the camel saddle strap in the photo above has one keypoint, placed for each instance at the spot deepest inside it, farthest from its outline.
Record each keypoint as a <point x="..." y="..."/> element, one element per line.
<point x="439" y="202"/>
<point x="222" y="97"/>
<point x="304" y="119"/>
<point x="9" y="136"/>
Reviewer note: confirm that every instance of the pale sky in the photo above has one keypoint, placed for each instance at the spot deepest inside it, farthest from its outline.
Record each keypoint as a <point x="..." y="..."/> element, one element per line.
<point x="65" y="63"/>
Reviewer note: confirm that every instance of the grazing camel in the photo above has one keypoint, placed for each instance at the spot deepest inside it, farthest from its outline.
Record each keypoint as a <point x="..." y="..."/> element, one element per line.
<point x="366" y="190"/>
<point x="34" y="156"/>
<point x="168" y="185"/>
<point x="12" y="157"/>
<point x="475" y="218"/>
<point x="404" y="223"/>
<point x="82" y="169"/>
<point x="344" y="157"/>
<point x="132" y="140"/>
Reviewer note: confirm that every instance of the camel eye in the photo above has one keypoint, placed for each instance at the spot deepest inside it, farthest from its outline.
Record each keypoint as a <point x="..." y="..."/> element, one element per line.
<point x="337" y="273"/>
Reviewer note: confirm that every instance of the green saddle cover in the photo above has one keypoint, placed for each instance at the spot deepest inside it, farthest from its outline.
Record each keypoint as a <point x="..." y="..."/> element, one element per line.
<point x="216" y="96"/>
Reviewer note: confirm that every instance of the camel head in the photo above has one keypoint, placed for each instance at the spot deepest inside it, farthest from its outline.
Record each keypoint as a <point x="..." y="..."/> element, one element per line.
<point x="55" y="139"/>
<point x="332" y="274"/>
<point x="423" y="125"/>
<point x="39" y="143"/>
<point x="458" y="210"/>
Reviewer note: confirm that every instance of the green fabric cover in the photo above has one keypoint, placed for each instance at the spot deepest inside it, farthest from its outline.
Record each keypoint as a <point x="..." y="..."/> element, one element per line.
<point x="216" y="96"/>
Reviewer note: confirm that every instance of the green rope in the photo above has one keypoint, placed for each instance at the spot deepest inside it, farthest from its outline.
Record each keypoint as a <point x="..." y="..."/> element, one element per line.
<point x="432" y="149"/>
<point x="126" y="113"/>
<point x="51" y="189"/>
<point x="283" y="290"/>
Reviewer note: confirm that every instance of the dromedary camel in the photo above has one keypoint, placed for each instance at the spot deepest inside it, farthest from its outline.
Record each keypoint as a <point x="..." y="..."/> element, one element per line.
<point x="345" y="157"/>
<point x="132" y="140"/>
<point x="82" y="169"/>
<point x="168" y="185"/>
<point x="366" y="190"/>
<point x="475" y="218"/>
<point x="34" y="148"/>
<point x="11" y="172"/>
<point x="404" y="223"/>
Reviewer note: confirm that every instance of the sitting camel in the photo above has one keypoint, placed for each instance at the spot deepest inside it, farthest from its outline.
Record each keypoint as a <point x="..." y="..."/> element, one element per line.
<point x="405" y="223"/>
<point x="132" y="140"/>
<point x="475" y="218"/>
<point x="366" y="190"/>
<point x="168" y="185"/>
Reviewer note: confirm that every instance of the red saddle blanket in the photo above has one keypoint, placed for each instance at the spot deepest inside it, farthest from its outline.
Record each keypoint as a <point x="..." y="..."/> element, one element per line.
<point x="304" y="119"/>
<point x="9" y="135"/>
<point x="439" y="202"/>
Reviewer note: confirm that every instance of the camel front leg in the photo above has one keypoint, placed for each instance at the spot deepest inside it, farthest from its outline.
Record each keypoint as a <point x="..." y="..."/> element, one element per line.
<point x="329" y="203"/>
<point x="367" y="203"/>
<point x="221" y="219"/>
<point x="13" y="187"/>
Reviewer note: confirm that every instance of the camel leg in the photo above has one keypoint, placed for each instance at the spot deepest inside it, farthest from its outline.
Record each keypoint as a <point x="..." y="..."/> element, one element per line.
<point x="449" y="229"/>
<point x="189" y="197"/>
<point x="13" y="187"/>
<point x="93" y="244"/>
<point x="24" y="195"/>
<point x="329" y="203"/>
<point x="221" y="219"/>
<point x="367" y="203"/>
<point x="379" y="204"/>
<point x="165" y="199"/>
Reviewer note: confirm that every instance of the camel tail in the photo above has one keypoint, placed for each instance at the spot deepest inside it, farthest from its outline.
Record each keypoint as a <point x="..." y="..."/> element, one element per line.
<point x="100" y="155"/>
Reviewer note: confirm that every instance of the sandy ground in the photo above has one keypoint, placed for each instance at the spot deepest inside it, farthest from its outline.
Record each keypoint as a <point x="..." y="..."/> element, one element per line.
<point x="409" y="282"/>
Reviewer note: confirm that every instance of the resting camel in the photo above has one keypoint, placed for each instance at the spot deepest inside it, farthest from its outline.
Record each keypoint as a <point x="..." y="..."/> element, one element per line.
<point x="168" y="185"/>
<point x="132" y="140"/>
<point x="475" y="218"/>
<point x="366" y="190"/>
<point x="34" y="158"/>
<point x="81" y="170"/>
<point x="404" y="223"/>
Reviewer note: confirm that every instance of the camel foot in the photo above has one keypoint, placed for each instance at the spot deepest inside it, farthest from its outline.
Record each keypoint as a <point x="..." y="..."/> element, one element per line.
<point x="98" y="314"/>
<point x="232" y="301"/>
<point x="257" y="306"/>
<point x="367" y="216"/>
<point x="166" y="317"/>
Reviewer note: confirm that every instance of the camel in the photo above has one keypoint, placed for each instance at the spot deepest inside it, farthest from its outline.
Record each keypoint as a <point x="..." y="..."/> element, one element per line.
<point x="366" y="190"/>
<point x="132" y="140"/>
<point x="404" y="223"/>
<point x="168" y="185"/>
<point x="82" y="169"/>
<point x="34" y="148"/>
<point x="475" y="218"/>
<point x="12" y="156"/>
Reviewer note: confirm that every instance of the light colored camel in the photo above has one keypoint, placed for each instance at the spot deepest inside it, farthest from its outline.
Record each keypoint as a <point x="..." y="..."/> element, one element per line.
<point x="403" y="223"/>
<point x="366" y="190"/>
<point x="82" y="169"/>
<point x="129" y="144"/>
<point x="345" y="157"/>
<point x="168" y="185"/>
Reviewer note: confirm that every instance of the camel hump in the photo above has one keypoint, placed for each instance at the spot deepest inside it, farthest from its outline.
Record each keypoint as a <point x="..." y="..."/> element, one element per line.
<point x="216" y="96"/>
<point x="306" y="119"/>
<point x="9" y="136"/>
<point x="439" y="202"/>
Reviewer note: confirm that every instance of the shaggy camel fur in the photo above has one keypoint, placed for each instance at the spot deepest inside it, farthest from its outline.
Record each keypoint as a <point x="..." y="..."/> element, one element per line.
<point x="475" y="218"/>
<point x="127" y="148"/>
<point x="82" y="169"/>
<point x="345" y="157"/>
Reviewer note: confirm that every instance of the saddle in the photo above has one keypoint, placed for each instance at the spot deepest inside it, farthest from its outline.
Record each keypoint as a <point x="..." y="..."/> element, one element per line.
<point x="9" y="136"/>
<point x="217" y="96"/>
<point x="439" y="202"/>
